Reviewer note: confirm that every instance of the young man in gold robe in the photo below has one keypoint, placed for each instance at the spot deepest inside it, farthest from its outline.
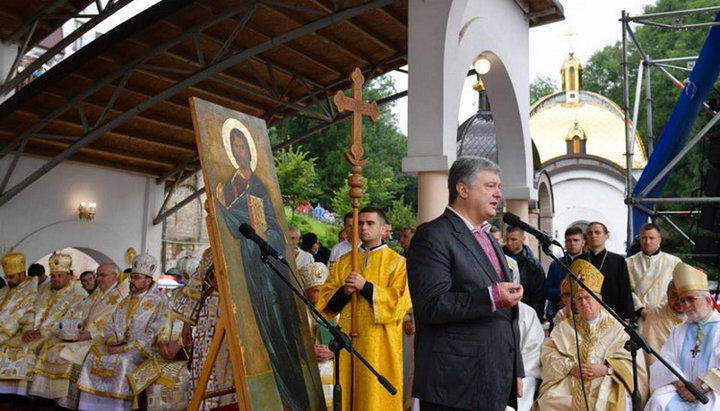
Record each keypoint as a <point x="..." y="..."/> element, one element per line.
<point x="19" y="353"/>
<point x="383" y="299"/>
<point x="604" y="370"/>
<point x="58" y="365"/>
<point x="650" y="271"/>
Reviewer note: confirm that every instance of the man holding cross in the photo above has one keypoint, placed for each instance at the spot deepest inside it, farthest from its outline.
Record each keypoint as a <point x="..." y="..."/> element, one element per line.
<point x="383" y="300"/>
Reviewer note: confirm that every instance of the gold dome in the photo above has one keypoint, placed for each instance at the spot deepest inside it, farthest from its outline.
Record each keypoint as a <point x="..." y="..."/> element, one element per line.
<point x="594" y="118"/>
<point x="601" y="121"/>
<point x="576" y="131"/>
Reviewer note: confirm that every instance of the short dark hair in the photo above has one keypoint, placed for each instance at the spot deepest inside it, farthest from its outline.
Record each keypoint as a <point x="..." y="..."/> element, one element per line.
<point x="308" y="240"/>
<point x="651" y="226"/>
<point x="36" y="270"/>
<point x="600" y="224"/>
<point x="84" y="273"/>
<point x="494" y="229"/>
<point x="347" y="215"/>
<point x="511" y="229"/>
<point x="377" y="210"/>
<point x="465" y="169"/>
<point x="574" y="230"/>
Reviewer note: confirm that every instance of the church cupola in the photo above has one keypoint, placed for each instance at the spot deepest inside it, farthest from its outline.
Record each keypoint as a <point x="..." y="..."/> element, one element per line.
<point x="571" y="78"/>
<point x="576" y="140"/>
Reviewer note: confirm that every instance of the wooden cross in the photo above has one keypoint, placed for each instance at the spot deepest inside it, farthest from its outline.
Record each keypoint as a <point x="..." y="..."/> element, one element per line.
<point x="356" y="157"/>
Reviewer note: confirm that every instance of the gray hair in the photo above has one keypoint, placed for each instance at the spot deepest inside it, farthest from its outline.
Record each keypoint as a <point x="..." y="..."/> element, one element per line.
<point x="465" y="169"/>
<point x="293" y="228"/>
<point x="114" y="267"/>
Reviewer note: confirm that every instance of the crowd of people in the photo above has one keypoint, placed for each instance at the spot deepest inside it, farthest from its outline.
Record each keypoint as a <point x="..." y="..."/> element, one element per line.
<point x="461" y="319"/>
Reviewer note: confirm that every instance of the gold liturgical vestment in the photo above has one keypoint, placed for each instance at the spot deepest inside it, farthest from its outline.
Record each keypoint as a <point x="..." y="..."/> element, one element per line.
<point x="167" y="382"/>
<point x="380" y="322"/>
<point x="58" y="366"/>
<point x="657" y="327"/>
<point x="203" y="312"/>
<point x="134" y="325"/>
<point x="14" y="303"/>
<point x="601" y="342"/>
<point x="649" y="278"/>
<point x="17" y="358"/>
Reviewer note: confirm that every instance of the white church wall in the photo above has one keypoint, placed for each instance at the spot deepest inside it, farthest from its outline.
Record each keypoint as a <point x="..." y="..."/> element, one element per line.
<point x="44" y="216"/>
<point x="584" y="195"/>
<point x="446" y="37"/>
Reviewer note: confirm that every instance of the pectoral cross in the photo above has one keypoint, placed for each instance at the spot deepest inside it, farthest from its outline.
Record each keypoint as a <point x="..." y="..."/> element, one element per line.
<point x="696" y="350"/>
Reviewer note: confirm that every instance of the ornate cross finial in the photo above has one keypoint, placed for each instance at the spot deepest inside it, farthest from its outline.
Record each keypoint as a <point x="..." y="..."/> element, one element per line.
<point x="356" y="157"/>
<point x="570" y="34"/>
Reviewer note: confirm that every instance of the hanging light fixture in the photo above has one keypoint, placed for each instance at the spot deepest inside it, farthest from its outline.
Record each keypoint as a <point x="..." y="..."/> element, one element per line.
<point x="86" y="210"/>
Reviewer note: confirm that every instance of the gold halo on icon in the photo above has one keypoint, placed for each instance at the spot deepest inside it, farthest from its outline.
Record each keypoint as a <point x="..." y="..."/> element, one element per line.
<point x="227" y="127"/>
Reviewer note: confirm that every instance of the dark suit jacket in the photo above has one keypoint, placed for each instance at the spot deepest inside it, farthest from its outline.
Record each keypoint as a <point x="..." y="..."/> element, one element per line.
<point x="466" y="355"/>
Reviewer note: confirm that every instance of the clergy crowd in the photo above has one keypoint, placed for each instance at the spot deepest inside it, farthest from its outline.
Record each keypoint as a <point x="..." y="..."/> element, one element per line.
<point x="461" y="318"/>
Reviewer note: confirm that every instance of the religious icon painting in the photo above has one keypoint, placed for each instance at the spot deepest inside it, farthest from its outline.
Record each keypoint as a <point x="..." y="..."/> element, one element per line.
<point x="270" y="324"/>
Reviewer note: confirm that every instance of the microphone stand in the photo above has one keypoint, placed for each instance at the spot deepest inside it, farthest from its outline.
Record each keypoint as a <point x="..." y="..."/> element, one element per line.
<point x="635" y="342"/>
<point x="340" y="339"/>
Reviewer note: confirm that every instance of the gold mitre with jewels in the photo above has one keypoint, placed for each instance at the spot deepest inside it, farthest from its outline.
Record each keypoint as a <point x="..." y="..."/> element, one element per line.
<point x="145" y="264"/>
<point x="588" y="274"/>
<point x="689" y="278"/>
<point x="13" y="263"/>
<point x="59" y="262"/>
<point x="313" y="274"/>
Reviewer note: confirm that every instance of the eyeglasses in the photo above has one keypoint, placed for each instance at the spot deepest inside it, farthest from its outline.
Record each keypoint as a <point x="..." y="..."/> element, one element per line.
<point x="689" y="300"/>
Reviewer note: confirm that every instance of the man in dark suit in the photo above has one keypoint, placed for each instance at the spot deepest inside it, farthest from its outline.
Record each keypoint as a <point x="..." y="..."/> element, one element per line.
<point x="465" y="305"/>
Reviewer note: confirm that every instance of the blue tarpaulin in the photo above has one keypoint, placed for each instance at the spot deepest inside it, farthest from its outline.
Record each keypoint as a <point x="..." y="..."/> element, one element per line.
<point x="673" y="137"/>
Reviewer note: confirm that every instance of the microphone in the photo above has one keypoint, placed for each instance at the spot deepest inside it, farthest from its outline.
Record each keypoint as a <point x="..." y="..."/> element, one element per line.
<point x="514" y="221"/>
<point x="265" y="248"/>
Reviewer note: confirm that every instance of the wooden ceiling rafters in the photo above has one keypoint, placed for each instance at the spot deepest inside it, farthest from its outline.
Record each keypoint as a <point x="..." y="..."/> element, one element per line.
<point x="121" y="101"/>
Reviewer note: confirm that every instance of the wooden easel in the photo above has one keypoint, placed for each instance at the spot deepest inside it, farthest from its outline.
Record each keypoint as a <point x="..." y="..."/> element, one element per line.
<point x="224" y="327"/>
<point x="356" y="157"/>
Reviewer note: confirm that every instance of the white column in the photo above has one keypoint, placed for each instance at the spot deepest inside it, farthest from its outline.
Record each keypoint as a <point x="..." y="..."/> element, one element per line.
<point x="445" y="37"/>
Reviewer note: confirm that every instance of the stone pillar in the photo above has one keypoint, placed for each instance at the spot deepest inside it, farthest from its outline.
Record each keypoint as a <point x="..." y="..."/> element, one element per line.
<point x="432" y="194"/>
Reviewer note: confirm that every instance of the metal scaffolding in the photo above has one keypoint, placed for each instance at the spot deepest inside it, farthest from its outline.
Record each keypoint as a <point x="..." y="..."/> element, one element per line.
<point x="643" y="200"/>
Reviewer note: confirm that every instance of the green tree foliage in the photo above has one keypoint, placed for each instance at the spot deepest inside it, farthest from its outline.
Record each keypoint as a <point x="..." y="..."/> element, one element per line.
<point x="384" y="144"/>
<point x="401" y="215"/>
<point x="297" y="176"/>
<point x="541" y="87"/>
<point x="603" y="72"/>
<point x="340" y="202"/>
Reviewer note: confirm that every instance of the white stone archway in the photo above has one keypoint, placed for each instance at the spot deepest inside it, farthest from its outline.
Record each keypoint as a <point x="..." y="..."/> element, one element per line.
<point x="445" y="37"/>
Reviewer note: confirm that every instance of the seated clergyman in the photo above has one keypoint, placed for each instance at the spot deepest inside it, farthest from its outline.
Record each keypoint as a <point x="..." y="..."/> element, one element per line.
<point x="129" y="339"/>
<point x="58" y="365"/>
<point x="604" y="369"/>
<point x="19" y="354"/>
<point x="691" y="349"/>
